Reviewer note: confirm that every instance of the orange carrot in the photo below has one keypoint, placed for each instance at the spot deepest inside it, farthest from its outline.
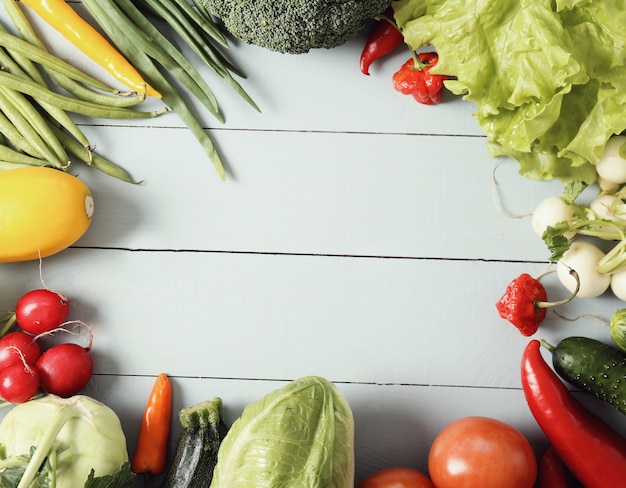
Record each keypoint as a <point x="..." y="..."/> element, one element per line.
<point x="151" y="453"/>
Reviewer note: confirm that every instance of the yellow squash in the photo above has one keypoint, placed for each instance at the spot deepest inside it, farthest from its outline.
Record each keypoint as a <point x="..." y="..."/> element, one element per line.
<point x="42" y="212"/>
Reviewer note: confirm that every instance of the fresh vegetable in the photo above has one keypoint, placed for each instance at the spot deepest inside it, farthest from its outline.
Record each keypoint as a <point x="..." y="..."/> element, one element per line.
<point x="197" y="446"/>
<point x="551" y="211"/>
<point x="65" y="369"/>
<point x="383" y="39"/>
<point x="524" y="303"/>
<point x="617" y="328"/>
<point x="552" y="472"/>
<point x="293" y="26"/>
<point x="16" y="347"/>
<point x="611" y="166"/>
<point x="522" y="89"/>
<point x="19" y="382"/>
<point x="481" y="452"/>
<point x="34" y="119"/>
<point x="593" y="366"/>
<point x="63" y="442"/>
<point x="591" y="449"/>
<point x="151" y="453"/>
<point x="73" y="27"/>
<point x="396" y="478"/>
<point x="310" y="413"/>
<point x="584" y="258"/>
<point x="415" y="78"/>
<point x="42" y="310"/>
<point x="44" y="211"/>
<point x="163" y="64"/>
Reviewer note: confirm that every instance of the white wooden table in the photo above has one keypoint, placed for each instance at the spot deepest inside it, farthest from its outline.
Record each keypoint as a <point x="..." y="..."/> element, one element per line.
<point x="356" y="237"/>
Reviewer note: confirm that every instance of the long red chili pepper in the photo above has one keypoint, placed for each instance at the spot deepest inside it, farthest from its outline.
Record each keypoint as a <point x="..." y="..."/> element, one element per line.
<point x="151" y="453"/>
<point x="589" y="447"/>
<point x="383" y="39"/>
<point x="552" y="472"/>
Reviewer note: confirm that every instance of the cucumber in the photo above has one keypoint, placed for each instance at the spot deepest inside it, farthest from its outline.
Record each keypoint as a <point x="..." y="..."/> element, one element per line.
<point x="197" y="446"/>
<point x="593" y="366"/>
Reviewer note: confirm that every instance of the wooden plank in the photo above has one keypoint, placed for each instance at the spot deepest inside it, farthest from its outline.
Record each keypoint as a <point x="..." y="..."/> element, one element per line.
<point x="314" y="193"/>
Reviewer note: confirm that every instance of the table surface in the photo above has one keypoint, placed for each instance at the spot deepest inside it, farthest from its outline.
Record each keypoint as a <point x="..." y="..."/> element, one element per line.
<point x="359" y="236"/>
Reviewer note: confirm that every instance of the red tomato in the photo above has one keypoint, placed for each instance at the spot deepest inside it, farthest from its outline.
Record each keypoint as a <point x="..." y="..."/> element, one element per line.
<point x="480" y="452"/>
<point x="396" y="478"/>
<point x="39" y="311"/>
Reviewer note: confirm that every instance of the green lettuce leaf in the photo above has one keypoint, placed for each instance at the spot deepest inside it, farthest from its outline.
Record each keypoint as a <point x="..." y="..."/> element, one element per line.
<point x="548" y="78"/>
<point x="301" y="435"/>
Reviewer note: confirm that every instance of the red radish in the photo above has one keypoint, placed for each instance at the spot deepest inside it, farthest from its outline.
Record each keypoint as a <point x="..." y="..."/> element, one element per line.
<point x="18" y="347"/>
<point x="18" y="382"/>
<point x="39" y="311"/>
<point x="65" y="369"/>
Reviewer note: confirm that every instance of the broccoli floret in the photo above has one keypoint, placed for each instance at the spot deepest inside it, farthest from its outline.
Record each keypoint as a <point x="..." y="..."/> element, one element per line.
<point x="294" y="26"/>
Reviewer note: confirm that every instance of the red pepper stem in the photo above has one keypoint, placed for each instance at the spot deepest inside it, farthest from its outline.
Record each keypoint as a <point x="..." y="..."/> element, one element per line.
<point x="418" y="65"/>
<point x="540" y="304"/>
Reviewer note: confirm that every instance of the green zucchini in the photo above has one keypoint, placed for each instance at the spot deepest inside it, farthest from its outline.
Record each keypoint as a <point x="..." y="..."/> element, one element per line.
<point x="593" y="366"/>
<point x="197" y="446"/>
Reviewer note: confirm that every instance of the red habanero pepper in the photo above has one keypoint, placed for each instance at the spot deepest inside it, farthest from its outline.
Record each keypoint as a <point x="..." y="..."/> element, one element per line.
<point x="524" y="302"/>
<point x="383" y="39"/>
<point x="589" y="447"/>
<point x="151" y="453"/>
<point x="414" y="78"/>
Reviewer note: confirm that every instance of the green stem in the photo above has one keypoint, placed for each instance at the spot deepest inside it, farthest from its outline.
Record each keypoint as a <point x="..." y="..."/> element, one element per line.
<point x="65" y="413"/>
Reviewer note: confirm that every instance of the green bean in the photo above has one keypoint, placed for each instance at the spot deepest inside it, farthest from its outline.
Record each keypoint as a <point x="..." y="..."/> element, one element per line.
<point x="5" y="165"/>
<point x="27" y="130"/>
<point x="44" y="58"/>
<point x="37" y="122"/>
<point x="158" y="47"/>
<point x="95" y="160"/>
<point x="82" y="107"/>
<point x="80" y="91"/>
<point x="152" y="74"/>
<point x="205" y="22"/>
<point x="10" y="155"/>
<point x="190" y="36"/>
<point x="16" y="138"/>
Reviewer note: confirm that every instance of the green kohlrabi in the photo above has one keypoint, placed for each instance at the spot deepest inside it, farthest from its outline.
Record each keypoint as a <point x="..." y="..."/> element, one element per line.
<point x="548" y="77"/>
<point x="300" y="436"/>
<point x="64" y="443"/>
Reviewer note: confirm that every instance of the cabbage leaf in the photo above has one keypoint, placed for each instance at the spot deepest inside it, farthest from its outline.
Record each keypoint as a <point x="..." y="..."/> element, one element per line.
<point x="300" y="436"/>
<point x="547" y="77"/>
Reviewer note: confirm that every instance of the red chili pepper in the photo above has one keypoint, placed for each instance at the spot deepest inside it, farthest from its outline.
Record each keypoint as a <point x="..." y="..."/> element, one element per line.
<point x="415" y="79"/>
<point x="151" y="453"/>
<point x="553" y="473"/>
<point x="384" y="38"/>
<point x="589" y="447"/>
<point x="521" y="304"/>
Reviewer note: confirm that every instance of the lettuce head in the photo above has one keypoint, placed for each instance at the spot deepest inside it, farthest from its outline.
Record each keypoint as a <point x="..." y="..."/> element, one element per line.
<point x="548" y="78"/>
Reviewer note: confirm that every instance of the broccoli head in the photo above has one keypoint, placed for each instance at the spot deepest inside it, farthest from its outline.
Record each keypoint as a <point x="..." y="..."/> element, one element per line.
<point x="294" y="26"/>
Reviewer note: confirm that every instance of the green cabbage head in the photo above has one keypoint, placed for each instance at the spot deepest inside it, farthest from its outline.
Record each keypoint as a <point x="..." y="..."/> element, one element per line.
<point x="300" y="436"/>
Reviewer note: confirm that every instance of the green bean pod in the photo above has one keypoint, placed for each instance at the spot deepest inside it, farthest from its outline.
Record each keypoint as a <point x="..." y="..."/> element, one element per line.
<point x="153" y="75"/>
<point x="69" y="104"/>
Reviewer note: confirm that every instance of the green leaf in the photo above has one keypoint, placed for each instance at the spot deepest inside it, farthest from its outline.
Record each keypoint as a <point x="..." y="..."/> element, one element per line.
<point x="556" y="242"/>
<point x="124" y="478"/>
